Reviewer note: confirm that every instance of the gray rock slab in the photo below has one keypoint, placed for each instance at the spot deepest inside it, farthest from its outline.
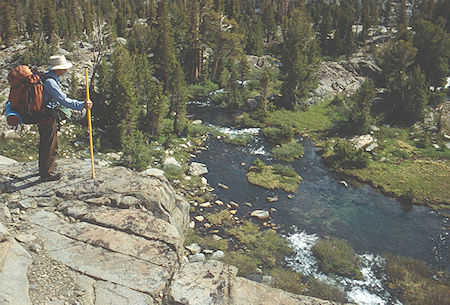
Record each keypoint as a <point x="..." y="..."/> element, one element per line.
<point x="202" y="283"/>
<point x="14" y="263"/>
<point x="109" y="293"/>
<point x="136" y="222"/>
<point x="101" y="264"/>
<point x="6" y="161"/>
<point x="244" y="292"/>
<point x="152" y="251"/>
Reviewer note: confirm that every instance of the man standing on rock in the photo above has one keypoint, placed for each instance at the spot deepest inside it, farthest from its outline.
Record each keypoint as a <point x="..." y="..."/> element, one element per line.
<point x="52" y="98"/>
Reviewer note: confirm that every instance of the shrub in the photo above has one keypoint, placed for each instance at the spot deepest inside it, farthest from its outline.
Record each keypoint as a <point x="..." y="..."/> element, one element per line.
<point x="335" y="256"/>
<point x="202" y="89"/>
<point x="271" y="249"/>
<point x="39" y="51"/>
<point x="245" y="264"/>
<point x="239" y="140"/>
<point x="136" y="153"/>
<point x="278" y="135"/>
<point x="173" y="172"/>
<point x="322" y="290"/>
<point x="288" y="152"/>
<point x="288" y="280"/>
<point x="416" y="282"/>
<point x="347" y="156"/>
<point x="218" y="218"/>
<point x="246" y="234"/>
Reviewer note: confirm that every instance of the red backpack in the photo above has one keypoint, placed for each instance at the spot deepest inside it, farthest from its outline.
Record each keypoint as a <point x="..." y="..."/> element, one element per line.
<point x="25" y="96"/>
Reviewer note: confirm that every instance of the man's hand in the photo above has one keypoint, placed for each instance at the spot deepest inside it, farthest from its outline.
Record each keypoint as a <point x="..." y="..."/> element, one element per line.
<point x="88" y="104"/>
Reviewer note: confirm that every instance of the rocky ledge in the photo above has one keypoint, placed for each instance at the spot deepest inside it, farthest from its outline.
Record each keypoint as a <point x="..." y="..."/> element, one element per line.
<point x="116" y="240"/>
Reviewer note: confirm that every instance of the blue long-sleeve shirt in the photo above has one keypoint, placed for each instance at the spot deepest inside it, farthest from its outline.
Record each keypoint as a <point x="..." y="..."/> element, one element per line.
<point x="53" y="95"/>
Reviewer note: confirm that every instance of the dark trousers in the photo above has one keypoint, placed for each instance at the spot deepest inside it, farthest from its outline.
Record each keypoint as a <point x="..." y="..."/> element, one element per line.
<point x="48" y="146"/>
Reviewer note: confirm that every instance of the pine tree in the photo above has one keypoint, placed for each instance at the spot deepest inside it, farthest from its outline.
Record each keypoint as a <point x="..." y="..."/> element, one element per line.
<point x="387" y="13"/>
<point x="8" y="28"/>
<point x="34" y="23"/>
<point x="360" y="116"/>
<point x="254" y="36"/>
<point x="299" y="59"/>
<point x="433" y="45"/>
<point x="325" y="27"/>
<point x="50" y="24"/>
<point x="178" y="99"/>
<point x="165" y="51"/>
<point x="265" y="85"/>
<point x="193" y="54"/>
<point x="269" y="21"/>
<point x="407" y="94"/>
<point x="402" y="22"/>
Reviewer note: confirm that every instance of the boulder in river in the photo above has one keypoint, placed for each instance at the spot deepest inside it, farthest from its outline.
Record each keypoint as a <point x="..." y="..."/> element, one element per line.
<point x="198" y="169"/>
<point x="260" y="214"/>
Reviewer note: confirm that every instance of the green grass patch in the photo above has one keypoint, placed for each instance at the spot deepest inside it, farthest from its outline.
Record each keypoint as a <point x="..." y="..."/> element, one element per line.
<point x="220" y="218"/>
<point x="415" y="282"/>
<point x="314" y="119"/>
<point x="335" y="256"/>
<point x="273" y="176"/>
<point x="423" y="181"/>
<point x="265" y="249"/>
<point x="288" y="152"/>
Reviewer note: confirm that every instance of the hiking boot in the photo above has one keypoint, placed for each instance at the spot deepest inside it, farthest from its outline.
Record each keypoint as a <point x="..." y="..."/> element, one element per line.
<point x="51" y="177"/>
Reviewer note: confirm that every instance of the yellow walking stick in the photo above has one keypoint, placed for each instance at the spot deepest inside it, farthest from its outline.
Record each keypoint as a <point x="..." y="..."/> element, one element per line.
<point x="89" y="125"/>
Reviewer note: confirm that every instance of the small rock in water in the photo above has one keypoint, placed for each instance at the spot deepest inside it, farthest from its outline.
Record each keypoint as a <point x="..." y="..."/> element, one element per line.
<point x="223" y="186"/>
<point x="199" y="257"/>
<point x="192" y="224"/>
<point x="218" y="255"/>
<point x="207" y="225"/>
<point x="216" y="237"/>
<point x="243" y="164"/>
<point x="248" y="204"/>
<point x="232" y="212"/>
<point x="273" y="209"/>
<point x="435" y="146"/>
<point x="204" y="181"/>
<point x="199" y="218"/>
<point x="272" y="199"/>
<point x="290" y="196"/>
<point x="219" y="202"/>
<point x="260" y="214"/>
<point x="343" y="183"/>
<point x="205" y="204"/>
<point x="234" y="204"/>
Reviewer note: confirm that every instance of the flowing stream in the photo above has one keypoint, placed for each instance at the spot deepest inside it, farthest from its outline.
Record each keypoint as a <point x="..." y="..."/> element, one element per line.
<point x="322" y="206"/>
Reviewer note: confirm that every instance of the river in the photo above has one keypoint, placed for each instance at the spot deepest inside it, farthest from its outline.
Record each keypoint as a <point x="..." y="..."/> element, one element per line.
<point x="322" y="206"/>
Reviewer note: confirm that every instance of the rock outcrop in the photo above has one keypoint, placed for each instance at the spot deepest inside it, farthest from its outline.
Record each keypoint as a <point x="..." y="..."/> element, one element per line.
<point x="116" y="240"/>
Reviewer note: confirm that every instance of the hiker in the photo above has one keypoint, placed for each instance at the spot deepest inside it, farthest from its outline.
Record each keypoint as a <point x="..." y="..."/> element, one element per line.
<point x="48" y="126"/>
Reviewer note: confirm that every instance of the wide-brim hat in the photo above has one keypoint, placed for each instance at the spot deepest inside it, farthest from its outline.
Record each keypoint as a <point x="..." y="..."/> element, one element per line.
<point x="59" y="62"/>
